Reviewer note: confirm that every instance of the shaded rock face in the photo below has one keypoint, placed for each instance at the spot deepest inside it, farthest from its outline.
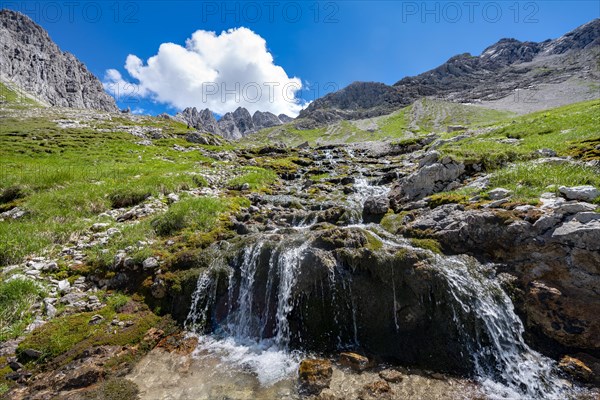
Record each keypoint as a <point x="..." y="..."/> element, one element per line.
<point x="232" y="125"/>
<point x="555" y="257"/>
<point x="32" y="61"/>
<point x="357" y="100"/>
<point x="317" y="291"/>
<point x="503" y="67"/>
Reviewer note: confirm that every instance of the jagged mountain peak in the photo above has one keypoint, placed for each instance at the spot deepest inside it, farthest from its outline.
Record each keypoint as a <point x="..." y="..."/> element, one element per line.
<point x="232" y="125"/>
<point x="30" y="60"/>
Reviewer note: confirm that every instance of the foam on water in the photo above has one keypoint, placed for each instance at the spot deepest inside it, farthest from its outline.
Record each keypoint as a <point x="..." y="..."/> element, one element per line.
<point x="267" y="361"/>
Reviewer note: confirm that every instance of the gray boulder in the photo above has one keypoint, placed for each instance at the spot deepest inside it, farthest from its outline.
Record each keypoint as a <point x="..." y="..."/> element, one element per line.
<point x="428" y="180"/>
<point x="376" y="206"/>
<point x="583" y="193"/>
<point x="499" y="193"/>
<point x="582" y="232"/>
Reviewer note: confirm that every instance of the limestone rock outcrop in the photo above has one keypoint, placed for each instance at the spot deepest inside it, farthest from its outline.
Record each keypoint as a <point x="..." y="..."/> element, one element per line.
<point x="30" y="60"/>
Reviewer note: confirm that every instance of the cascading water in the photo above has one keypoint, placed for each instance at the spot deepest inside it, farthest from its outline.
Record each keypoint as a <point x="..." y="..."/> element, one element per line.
<point x="262" y="295"/>
<point x="505" y="365"/>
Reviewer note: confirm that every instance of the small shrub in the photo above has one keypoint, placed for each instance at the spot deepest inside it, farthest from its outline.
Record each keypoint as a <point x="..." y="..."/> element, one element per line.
<point x="118" y="301"/>
<point x="255" y="177"/>
<point x="197" y="213"/>
<point x="3" y="388"/>
<point x="115" y="389"/>
<point x="169" y="223"/>
<point x="199" y="181"/>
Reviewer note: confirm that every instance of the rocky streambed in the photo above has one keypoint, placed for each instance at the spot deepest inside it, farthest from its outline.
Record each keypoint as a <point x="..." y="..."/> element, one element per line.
<point x="349" y="279"/>
<point x="322" y="267"/>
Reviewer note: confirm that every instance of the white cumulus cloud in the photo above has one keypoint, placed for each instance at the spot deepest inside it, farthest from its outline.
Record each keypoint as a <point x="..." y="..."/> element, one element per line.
<point x="220" y="72"/>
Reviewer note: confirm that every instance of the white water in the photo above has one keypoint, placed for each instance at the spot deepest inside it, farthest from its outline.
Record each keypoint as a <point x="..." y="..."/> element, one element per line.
<point x="505" y="366"/>
<point x="243" y="342"/>
<point x="266" y="360"/>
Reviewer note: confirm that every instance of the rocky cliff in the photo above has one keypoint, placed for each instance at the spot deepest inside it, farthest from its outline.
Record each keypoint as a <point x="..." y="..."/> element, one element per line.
<point x="232" y="125"/>
<point x="31" y="60"/>
<point x="501" y="69"/>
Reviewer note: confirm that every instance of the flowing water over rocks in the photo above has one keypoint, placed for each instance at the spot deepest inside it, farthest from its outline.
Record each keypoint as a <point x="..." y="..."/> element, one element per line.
<point x="320" y="277"/>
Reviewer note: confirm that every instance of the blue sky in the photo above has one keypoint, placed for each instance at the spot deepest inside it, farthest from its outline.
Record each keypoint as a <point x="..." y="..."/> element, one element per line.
<point x="325" y="44"/>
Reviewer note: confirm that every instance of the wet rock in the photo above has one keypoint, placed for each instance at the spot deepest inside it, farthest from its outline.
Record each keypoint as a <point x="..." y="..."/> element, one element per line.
<point x="391" y="375"/>
<point x="154" y="335"/>
<point x="375" y="206"/>
<point x="158" y="289"/>
<point x="555" y="259"/>
<point x="20" y="376"/>
<point x="31" y="354"/>
<point x="576" y="369"/>
<point x="566" y="320"/>
<point x="355" y="361"/>
<point x="119" y="281"/>
<point x="379" y="389"/>
<point x="15" y="365"/>
<point x="273" y="150"/>
<point x="179" y="343"/>
<point x="314" y="375"/>
<point x="583" y="193"/>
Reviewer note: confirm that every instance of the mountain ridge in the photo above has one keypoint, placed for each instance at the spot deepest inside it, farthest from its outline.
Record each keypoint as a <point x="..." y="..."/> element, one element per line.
<point x="31" y="60"/>
<point x="501" y="68"/>
<point x="232" y="125"/>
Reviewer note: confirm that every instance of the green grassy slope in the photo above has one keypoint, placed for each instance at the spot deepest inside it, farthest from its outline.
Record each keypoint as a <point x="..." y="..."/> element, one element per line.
<point x="422" y="117"/>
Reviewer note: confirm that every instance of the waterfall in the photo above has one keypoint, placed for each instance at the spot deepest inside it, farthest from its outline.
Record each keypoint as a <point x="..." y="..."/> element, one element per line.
<point x="259" y="309"/>
<point x="263" y="293"/>
<point x="505" y="365"/>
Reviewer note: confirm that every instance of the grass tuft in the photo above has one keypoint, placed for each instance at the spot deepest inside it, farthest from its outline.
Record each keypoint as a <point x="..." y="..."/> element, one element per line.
<point x="198" y="214"/>
<point x="17" y="297"/>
